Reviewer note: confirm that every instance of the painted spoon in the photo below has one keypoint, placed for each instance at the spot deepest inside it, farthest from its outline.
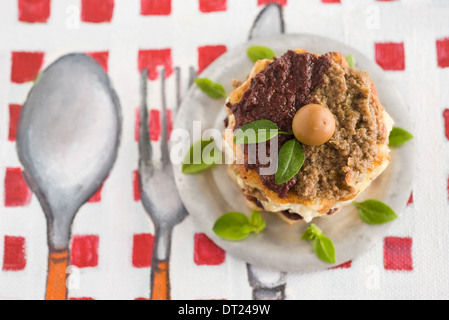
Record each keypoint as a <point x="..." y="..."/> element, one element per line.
<point x="68" y="138"/>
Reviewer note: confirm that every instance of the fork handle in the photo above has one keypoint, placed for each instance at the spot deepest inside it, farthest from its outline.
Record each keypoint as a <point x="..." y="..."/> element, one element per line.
<point x="56" y="279"/>
<point x="160" y="284"/>
<point x="277" y="293"/>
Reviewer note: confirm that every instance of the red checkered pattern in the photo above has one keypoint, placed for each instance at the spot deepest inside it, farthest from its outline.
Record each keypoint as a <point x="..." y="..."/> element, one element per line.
<point x="390" y="56"/>
<point x="155" y="7"/>
<point x="207" y="252"/>
<point x="32" y="11"/>
<point x="264" y="2"/>
<point x="410" y="200"/>
<point x="398" y="254"/>
<point x="84" y="252"/>
<point x="136" y="189"/>
<point x="152" y="59"/>
<point x="26" y="66"/>
<point x="346" y="265"/>
<point x="17" y="193"/>
<point x="97" y="11"/>
<point x="14" y="112"/>
<point x="27" y="63"/>
<point x="207" y="55"/>
<point x="212" y="5"/>
<point x="331" y="1"/>
<point x="14" y="258"/>
<point x="446" y="122"/>
<point x="142" y="250"/>
<point x="443" y="52"/>
<point x="97" y="196"/>
<point x="102" y="58"/>
<point x="154" y="124"/>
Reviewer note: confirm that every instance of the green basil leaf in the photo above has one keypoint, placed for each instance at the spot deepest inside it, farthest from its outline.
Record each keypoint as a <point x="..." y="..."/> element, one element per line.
<point x="290" y="161"/>
<point x="233" y="226"/>
<point x="399" y="136"/>
<point x="351" y="60"/>
<point x="212" y="89"/>
<point x="256" y="53"/>
<point x="324" y="249"/>
<point x="196" y="161"/>
<point x="257" y="222"/>
<point x="375" y="212"/>
<point x="256" y="131"/>
<point x="312" y="232"/>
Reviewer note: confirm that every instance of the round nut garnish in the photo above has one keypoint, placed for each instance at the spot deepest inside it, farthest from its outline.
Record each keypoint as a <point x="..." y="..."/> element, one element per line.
<point x="313" y="124"/>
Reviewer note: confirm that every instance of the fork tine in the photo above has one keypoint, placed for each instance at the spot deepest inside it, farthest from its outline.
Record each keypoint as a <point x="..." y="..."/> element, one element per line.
<point x="192" y="75"/>
<point x="145" y="151"/>
<point x="165" y="155"/>
<point x="178" y="87"/>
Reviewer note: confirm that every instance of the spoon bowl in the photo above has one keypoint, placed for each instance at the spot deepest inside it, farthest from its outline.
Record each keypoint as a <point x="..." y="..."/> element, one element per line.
<point x="67" y="140"/>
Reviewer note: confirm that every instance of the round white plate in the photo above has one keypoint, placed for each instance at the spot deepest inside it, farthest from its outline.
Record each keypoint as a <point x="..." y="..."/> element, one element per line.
<point x="210" y="194"/>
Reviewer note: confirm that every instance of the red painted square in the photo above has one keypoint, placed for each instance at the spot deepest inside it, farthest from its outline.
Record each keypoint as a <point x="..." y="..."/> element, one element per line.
<point x="207" y="252"/>
<point x="346" y="265"/>
<point x="17" y="193"/>
<point x="101" y="58"/>
<point x="390" y="56"/>
<point x="155" y="7"/>
<point x="26" y="66"/>
<point x="141" y="299"/>
<point x="154" y="124"/>
<point x="207" y="54"/>
<point x="14" y="257"/>
<point x="264" y="2"/>
<point x="142" y="250"/>
<point x="85" y="251"/>
<point x="410" y="200"/>
<point x="446" y="122"/>
<point x="398" y="254"/>
<point x="152" y="59"/>
<point x="97" y="196"/>
<point x="169" y="123"/>
<point x="97" y="11"/>
<point x="331" y="1"/>
<point x="136" y="187"/>
<point x="137" y="125"/>
<point x="212" y="5"/>
<point x="34" y="10"/>
<point x="443" y="52"/>
<point x="14" y="113"/>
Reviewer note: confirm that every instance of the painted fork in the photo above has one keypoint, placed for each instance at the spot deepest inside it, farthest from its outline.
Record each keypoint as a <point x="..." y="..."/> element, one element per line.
<point x="159" y="194"/>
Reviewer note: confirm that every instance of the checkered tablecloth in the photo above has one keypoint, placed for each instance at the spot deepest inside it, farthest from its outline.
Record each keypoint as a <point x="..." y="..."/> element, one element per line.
<point x="112" y="235"/>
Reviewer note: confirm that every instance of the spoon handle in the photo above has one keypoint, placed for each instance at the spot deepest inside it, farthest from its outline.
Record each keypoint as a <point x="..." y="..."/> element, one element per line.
<point x="160" y="281"/>
<point x="56" y="280"/>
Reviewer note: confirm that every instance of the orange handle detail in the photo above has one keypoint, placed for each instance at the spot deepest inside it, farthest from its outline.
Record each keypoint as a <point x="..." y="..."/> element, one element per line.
<point x="56" y="279"/>
<point x="160" y="282"/>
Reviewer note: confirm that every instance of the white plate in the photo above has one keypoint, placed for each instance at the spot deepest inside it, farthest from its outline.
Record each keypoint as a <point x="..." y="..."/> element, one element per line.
<point x="210" y="194"/>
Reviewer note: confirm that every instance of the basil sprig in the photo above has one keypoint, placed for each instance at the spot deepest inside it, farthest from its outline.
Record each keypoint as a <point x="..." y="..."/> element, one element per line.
<point x="257" y="131"/>
<point x="256" y="53"/>
<point x="201" y="156"/>
<point x="375" y="212"/>
<point x="322" y="245"/>
<point x="212" y="89"/>
<point x="399" y="136"/>
<point x="290" y="160"/>
<point x="351" y="60"/>
<point x="237" y="226"/>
